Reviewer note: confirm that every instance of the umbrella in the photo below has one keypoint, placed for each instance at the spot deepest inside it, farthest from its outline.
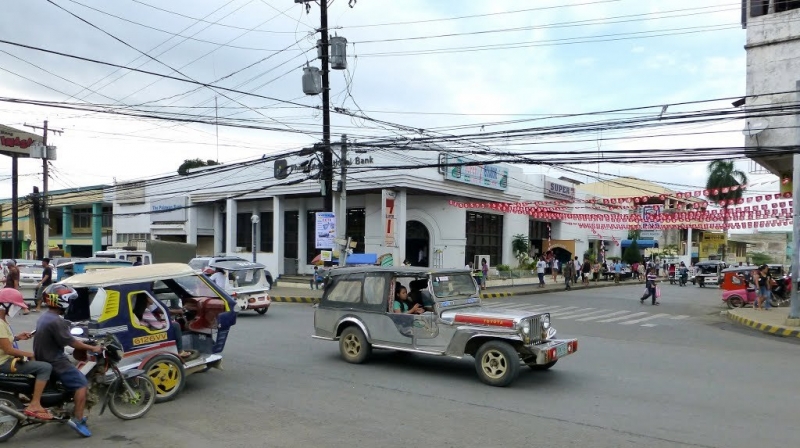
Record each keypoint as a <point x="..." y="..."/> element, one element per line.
<point x="317" y="260"/>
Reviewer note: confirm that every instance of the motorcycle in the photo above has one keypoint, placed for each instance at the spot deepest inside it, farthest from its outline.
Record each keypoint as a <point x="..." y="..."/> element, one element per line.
<point x="683" y="278"/>
<point x="781" y="290"/>
<point x="129" y="395"/>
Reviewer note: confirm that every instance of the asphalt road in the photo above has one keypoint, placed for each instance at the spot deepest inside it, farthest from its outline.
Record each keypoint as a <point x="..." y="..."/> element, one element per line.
<point x="693" y="381"/>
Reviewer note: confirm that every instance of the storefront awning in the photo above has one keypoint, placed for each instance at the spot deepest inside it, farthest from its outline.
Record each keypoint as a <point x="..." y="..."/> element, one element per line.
<point x="647" y="244"/>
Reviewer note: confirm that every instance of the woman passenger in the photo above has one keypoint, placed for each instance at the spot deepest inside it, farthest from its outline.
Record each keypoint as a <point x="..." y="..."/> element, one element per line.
<point x="401" y="303"/>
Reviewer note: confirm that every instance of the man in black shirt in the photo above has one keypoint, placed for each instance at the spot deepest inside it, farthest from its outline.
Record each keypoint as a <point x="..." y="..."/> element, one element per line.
<point x="47" y="280"/>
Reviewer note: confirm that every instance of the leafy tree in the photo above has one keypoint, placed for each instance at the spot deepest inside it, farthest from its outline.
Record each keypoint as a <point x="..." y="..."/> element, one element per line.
<point x="722" y="175"/>
<point x="194" y="163"/>
<point x="520" y="246"/>
<point x="759" y="258"/>
<point x="631" y="254"/>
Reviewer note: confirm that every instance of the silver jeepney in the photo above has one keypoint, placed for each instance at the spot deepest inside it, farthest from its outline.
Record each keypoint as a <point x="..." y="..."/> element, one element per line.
<point x="356" y="311"/>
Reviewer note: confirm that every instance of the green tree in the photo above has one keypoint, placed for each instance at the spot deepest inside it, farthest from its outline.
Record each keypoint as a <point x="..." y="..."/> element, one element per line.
<point x="759" y="258"/>
<point x="631" y="254"/>
<point x="722" y="174"/>
<point x="520" y="246"/>
<point x="194" y="163"/>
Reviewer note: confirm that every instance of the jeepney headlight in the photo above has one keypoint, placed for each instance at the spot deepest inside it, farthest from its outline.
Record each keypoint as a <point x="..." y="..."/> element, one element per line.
<point x="545" y="321"/>
<point x="525" y="326"/>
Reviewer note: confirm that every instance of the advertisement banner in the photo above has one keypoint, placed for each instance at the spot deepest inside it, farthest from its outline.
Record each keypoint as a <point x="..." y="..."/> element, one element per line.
<point x="16" y="142"/>
<point x="650" y="219"/>
<point x="389" y="218"/>
<point x="487" y="176"/>
<point x="325" y="230"/>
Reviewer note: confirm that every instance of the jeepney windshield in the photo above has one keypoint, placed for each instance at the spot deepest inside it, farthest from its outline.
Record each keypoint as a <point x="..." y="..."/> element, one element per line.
<point x="450" y="285"/>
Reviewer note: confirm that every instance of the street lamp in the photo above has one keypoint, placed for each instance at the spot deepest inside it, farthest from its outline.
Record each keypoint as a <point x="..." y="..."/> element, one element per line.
<point x="254" y="219"/>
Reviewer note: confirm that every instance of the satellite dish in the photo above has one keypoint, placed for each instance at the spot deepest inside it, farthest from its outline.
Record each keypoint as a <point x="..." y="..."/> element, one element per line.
<point x="754" y="127"/>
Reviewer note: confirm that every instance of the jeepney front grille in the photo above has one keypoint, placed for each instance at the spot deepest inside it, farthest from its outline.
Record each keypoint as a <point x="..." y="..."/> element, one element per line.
<point x="537" y="334"/>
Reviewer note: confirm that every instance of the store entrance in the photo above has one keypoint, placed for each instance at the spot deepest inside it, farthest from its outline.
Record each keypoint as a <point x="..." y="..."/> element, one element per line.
<point x="418" y="241"/>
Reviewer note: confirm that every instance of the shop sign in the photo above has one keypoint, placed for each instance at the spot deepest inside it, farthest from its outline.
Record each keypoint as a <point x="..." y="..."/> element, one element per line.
<point x="325" y="230"/>
<point x="389" y="219"/>
<point x="168" y="210"/>
<point x="558" y="190"/>
<point x="16" y="142"/>
<point x="487" y="176"/>
<point x="650" y="217"/>
<point x="7" y="235"/>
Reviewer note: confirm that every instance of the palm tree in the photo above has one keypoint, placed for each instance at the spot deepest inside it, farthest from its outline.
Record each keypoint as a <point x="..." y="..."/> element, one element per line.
<point x="722" y="175"/>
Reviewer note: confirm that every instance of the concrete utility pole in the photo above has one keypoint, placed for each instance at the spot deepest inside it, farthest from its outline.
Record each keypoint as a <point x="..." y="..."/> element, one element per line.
<point x="794" y="311"/>
<point x="44" y="252"/>
<point x="343" y="191"/>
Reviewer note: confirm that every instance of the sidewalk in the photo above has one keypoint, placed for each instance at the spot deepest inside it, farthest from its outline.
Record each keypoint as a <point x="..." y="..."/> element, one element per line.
<point x="308" y="295"/>
<point x="771" y="322"/>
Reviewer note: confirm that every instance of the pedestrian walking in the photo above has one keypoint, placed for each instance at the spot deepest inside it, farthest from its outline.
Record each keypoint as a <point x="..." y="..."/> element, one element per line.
<point x="569" y="274"/>
<point x="763" y="282"/>
<point x="587" y="269"/>
<point x="540" y="266"/>
<point x="617" y="270"/>
<point x="651" y="288"/>
<point x="555" y="269"/>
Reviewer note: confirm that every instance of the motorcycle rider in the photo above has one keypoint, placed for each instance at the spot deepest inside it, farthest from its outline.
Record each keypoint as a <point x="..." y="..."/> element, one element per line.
<point x="684" y="273"/>
<point x="11" y="302"/>
<point x="52" y="335"/>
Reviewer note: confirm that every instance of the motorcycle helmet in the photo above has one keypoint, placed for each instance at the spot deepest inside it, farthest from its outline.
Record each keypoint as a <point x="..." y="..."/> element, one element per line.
<point x="11" y="300"/>
<point x="59" y="296"/>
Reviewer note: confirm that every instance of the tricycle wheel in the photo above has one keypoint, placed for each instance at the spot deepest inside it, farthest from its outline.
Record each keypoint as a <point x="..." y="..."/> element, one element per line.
<point x="735" y="302"/>
<point x="133" y="403"/>
<point x="168" y="376"/>
<point x="262" y="310"/>
<point x="9" y="425"/>
<point x="353" y="345"/>
<point x="497" y="363"/>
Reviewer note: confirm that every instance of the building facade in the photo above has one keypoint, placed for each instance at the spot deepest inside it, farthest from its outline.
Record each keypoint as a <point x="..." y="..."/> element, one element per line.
<point x="438" y="218"/>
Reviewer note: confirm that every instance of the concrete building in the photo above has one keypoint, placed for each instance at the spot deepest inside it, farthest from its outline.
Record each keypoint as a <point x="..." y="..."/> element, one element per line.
<point x="213" y="208"/>
<point x="773" y="70"/>
<point x="775" y="244"/>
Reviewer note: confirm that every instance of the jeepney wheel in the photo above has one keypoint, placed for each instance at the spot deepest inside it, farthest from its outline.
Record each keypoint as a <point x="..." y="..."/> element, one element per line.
<point x="497" y="363"/>
<point x="541" y="367"/>
<point x="353" y="345"/>
<point x="262" y="310"/>
<point x="735" y="302"/>
<point x="168" y="376"/>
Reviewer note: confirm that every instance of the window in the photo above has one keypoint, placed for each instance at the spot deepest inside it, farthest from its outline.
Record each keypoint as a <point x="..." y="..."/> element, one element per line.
<point x="244" y="230"/>
<point x="786" y="5"/>
<point x="311" y="242"/>
<point x="290" y="232"/>
<point x="759" y="8"/>
<point x="108" y="217"/>
<point x="346" y="290"/>
<point x="537" y="230"/>
<point x="374" y="289"/>
<point x="356" y="227"/>
<point x="266" y="232"/>
<point x="82" y="218"/>
<point x="127" y="237"/>
<point x="484" y="236"/>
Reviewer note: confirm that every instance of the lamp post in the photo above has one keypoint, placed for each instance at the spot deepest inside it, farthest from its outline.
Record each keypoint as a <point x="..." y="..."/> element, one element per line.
<point x="254" y="220"/>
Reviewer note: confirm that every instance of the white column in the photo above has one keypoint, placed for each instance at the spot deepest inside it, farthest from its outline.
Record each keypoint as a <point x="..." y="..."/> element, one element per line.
<point x="218" y="224"/>
<point x="401" y="214"/>
<point x="689" y="243"/>
<point x="257" y="236"/>
<point x="302" y="211"/>
<point x="277" y="231"/>
<point x="230" y="217"/>
<point x="191" y="224"/>
<point x="508" y="257"/>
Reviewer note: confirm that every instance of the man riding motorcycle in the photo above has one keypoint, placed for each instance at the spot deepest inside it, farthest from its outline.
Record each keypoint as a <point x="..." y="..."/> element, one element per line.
<point x="683" y="271"/>
<point x="52" y="335"/>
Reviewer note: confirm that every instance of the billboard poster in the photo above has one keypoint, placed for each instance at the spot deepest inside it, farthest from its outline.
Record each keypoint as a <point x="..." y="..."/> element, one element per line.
<point x="325" y="231"/>
<point x="651" y="217"/>
<point x="389" y="218"/>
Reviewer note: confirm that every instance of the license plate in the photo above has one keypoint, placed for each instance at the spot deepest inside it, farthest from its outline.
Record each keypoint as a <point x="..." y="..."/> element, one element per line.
<point x="561" y="350"/>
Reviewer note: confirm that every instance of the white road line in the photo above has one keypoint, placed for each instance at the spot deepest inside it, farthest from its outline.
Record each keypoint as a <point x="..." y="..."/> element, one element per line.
<point x="568" y="313"/>
<point x="546" y="309"/>
<point x="682" y="316"/>
<point x="649" y="325"/>
<point x="623" y="317"/>
<point x="654" y="316"/>
<point x="602" y="316"/>
<point x="574" y="316"/>
<point x="567" y="310"/>
<point x="516" y="306"/>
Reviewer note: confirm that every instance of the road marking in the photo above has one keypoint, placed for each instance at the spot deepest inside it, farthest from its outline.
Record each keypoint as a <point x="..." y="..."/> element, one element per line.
<point x="623" y="317"/>
<point x="682" y="316"/>
<point x="573" y="313"/>
<point x="617" y="313"/>
<point x="582" y="314"/>
<point x="567" y="310"/>
<point x="654" y="316"/>
<point x="649" y="325"/>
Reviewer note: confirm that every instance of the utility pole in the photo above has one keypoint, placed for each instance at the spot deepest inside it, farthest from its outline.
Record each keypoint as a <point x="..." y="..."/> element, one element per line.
<point x="794" y="311"/>
<point x="14" y="206"/>
<point x="43" y="252"/>
<point x="343" y="190"/>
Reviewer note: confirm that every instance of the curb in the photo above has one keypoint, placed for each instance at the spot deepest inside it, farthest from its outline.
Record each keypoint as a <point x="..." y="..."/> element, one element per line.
<point x="777" y="330"/>
<point x="293" y="299"/>
<point x="496" y="295"/>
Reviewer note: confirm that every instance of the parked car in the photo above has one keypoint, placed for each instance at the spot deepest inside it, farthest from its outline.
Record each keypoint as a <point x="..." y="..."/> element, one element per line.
<point x="356" y="310"/>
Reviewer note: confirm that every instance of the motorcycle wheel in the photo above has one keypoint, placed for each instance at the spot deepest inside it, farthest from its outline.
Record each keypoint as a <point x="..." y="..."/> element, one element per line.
<point x="9" y="425"/>
<point x="127" y="406"/>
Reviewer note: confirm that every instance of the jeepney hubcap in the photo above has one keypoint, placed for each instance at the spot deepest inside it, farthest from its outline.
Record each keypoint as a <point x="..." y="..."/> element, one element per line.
<point x="352" y="345"/>
<point x="494" y="364"/>
<point x="166" y="377"/>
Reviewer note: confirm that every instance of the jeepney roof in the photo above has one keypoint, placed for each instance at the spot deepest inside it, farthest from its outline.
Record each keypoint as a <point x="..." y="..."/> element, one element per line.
<point x="128" y="275"/>
<point x="97" y="260"/>
<point x="236" y="265"/>
<point x="401" y="270"/>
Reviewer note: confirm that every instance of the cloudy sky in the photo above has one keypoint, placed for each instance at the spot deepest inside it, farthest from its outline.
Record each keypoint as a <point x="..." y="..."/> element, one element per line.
<point x="417" y="63"/>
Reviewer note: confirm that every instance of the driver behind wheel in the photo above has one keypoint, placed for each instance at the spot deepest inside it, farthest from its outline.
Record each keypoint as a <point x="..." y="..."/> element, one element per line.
<point x="52" y="335"/>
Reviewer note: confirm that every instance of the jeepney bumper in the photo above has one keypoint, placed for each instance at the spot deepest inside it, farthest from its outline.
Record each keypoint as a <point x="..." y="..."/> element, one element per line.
<point x="548" y="351"/>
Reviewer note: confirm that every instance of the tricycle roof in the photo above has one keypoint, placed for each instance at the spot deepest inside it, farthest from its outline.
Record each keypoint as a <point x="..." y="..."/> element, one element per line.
<point x="236" y="265"/>
<point x="129" y="275"/>
<point x="401" y="270"/>
<point x="98" y="260"/>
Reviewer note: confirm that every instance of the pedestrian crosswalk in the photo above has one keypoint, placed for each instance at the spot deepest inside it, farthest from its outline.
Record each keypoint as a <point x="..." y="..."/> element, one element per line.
<point x="578" y="314"/>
